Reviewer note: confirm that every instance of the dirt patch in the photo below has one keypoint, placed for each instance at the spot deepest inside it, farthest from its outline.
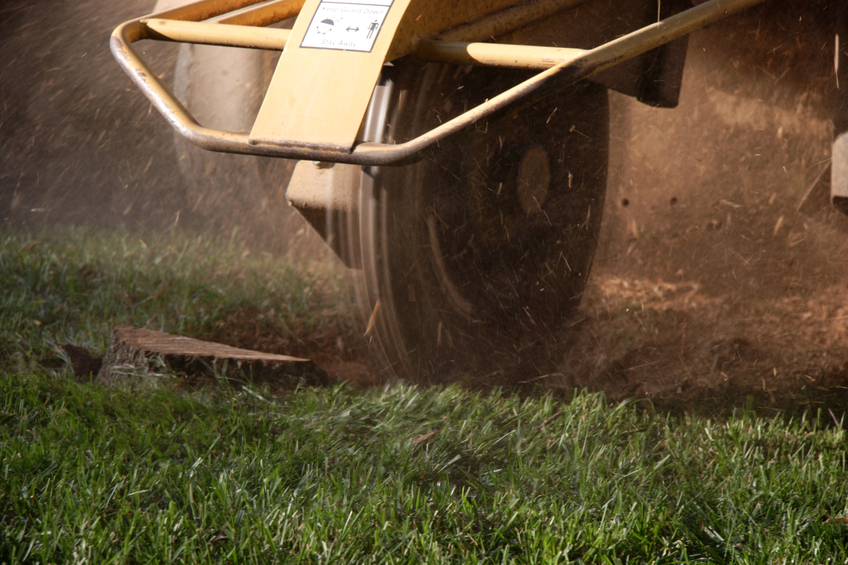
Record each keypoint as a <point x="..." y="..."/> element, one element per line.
<point x="680" y="347"/>
<point x="729" y="190"/>
<point x="720" y="280"/>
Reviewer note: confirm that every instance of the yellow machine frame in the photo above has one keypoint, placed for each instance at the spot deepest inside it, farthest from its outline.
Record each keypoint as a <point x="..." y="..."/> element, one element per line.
<point x="318" y="97"/>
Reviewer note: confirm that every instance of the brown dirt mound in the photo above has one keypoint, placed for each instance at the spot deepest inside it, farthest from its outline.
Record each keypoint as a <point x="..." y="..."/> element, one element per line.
<point x="684" y="349"/>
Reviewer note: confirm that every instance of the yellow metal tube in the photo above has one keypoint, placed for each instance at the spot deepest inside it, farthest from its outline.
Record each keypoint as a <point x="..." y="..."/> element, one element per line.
<point x="545" y="83"/>
<point x="499" y="23"/>
<point x="266" y="14"/>
<point x="495" y="55"/>
<point x="488" y="17"/>
<point x="204" y="9"/>
<point x="218" y="34"/>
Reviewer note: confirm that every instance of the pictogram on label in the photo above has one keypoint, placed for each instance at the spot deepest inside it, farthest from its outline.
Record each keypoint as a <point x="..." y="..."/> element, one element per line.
<point x="352" y="25"/>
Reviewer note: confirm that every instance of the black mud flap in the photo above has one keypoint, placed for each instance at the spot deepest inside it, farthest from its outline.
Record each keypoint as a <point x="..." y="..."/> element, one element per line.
<point x="654" y="78"/>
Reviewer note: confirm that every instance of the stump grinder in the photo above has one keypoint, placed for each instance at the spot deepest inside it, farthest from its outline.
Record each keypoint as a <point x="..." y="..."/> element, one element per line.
<point x="455" y="152"/>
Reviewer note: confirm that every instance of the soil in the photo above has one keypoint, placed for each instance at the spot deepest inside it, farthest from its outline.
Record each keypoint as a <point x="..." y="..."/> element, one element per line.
<point x="684" y="349"/>
<point x="721" y="279"/>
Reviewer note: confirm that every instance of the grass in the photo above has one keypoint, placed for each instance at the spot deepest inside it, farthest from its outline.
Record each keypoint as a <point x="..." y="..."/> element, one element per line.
<point x="149" y="472"/>
<point x="74" y="285"/>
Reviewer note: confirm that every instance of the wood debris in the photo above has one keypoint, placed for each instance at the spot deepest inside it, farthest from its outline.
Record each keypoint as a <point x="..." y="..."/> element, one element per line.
<point x="132" y="349"/>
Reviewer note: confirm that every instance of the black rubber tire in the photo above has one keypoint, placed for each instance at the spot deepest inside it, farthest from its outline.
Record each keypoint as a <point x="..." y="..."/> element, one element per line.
<point x="474" y="284"/>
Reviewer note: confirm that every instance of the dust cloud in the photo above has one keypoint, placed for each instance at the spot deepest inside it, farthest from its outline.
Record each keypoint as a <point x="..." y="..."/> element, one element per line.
<point x="721" y="271"/>
<point x="81" y="145"/>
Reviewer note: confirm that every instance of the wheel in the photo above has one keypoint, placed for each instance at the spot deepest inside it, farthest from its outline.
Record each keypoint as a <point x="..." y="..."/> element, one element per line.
<point x="476" y="257"/>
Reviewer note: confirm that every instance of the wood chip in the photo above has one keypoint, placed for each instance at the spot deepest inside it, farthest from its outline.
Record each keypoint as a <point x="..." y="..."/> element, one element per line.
<point x="139" y="348"/>
<point x="422" y="439"/>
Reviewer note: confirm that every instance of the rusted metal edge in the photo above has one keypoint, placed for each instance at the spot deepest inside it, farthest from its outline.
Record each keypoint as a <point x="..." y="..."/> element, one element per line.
<point x="377" y="154"/>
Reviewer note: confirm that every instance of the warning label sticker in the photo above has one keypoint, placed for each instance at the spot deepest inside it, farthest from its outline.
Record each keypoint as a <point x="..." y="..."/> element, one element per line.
<point x="351" y="25"/>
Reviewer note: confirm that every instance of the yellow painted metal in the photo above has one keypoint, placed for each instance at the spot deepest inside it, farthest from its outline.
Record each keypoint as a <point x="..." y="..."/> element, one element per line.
<point x="204" y="9"/>
<point x="369" y="153"/>
<point x="266" y="14"/>
<point x="455" y="52"/>
<point x="427" y="17"/>
<point x="495" y="55"/>
<point x="218" y="34"/>
<point x="318" y="97"/>
<point x="433" y="16"/>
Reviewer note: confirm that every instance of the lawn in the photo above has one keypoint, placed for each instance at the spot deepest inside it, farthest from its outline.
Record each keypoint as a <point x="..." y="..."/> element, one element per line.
<point x="157" y="470"/>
